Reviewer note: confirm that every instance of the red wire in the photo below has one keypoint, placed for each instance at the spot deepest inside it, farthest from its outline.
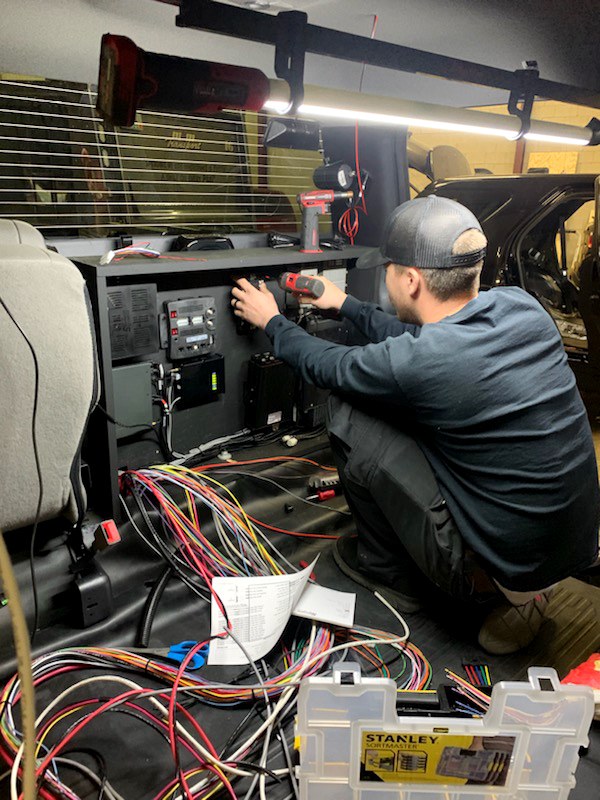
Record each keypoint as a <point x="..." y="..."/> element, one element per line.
<point x="140" y="709"/>
<point x="293" y="533"/>
<point x="119" y="699"/>
<point x="173" y="696"/>
<point x="172" y="730"/>
<point x="345" y="225"/>
<point x="9" y="759"/>
<point x="358" y="175"/>
<point x="80" y="725"/>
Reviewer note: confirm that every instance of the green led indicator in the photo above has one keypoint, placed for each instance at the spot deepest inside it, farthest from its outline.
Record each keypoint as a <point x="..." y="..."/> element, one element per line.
<point x="214" y="381"/>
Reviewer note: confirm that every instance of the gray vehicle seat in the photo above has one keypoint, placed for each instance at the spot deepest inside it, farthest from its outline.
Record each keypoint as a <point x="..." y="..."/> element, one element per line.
<point x="46" y="295"/>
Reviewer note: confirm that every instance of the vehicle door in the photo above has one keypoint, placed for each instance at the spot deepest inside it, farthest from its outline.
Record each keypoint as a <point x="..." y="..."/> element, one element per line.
<point x="552" y="258"/>
<point x="589" y="284"/>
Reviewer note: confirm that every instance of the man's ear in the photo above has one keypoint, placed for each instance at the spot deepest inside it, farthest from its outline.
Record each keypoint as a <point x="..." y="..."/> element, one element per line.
<point x="415" y="280"/>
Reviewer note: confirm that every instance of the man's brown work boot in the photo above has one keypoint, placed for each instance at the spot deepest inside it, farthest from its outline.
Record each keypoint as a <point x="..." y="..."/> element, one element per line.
<point x="509" y="628"/>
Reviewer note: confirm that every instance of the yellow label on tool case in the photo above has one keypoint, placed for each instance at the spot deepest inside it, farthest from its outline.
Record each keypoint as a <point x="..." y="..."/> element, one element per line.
<point x="409" y="757"/>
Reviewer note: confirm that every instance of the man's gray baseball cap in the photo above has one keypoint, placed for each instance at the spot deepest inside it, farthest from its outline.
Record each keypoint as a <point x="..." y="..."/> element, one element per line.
<point x="422" y="233"/>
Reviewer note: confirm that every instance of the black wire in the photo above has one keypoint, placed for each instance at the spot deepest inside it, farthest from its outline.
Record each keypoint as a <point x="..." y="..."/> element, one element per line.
<point x="241" y="727"/>
<point x="257" y="768"/>
<point x="283" y="742"/>
<point x="239" y="443"/>
<point x="96" y="755"/>
<point x="302" y="437"/>
<point x="38" y="467"/>
<point x="114" y="421"/>
<point x="165" y="552"/>
<point x="151" y="607"/>
<point x="154" y="428"/>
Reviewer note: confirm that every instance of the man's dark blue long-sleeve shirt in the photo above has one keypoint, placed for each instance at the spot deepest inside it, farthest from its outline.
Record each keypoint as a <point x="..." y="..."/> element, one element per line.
<point x="498" y="417"/>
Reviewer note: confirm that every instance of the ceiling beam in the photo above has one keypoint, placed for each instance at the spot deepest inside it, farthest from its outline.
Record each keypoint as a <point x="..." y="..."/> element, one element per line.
<point x="256" y="26"/>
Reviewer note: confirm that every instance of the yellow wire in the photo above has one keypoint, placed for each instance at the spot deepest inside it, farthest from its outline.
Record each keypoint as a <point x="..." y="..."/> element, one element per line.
<point x="174" y="470"/>
<point x="172" y="791"/>
<point x="56" y="721"/>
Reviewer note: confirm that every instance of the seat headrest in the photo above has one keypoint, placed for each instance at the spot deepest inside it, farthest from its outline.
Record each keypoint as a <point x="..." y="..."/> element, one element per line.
<point x="14" y="231"/>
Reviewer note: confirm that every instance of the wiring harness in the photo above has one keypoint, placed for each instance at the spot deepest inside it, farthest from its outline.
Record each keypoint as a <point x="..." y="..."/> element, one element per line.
<point x="198" y="526"/>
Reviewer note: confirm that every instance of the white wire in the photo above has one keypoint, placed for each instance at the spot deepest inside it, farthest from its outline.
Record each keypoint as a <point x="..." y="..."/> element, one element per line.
<point x="109" y="791"/>
<point x="281" y="703"/>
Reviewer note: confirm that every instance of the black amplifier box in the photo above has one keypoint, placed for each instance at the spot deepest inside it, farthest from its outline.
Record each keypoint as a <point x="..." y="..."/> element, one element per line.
<point x="269" y="392"/>
<point x="201" y="381"/>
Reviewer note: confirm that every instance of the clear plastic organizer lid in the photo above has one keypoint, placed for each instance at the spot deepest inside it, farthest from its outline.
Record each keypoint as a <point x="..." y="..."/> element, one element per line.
<point x="354" y="746"/>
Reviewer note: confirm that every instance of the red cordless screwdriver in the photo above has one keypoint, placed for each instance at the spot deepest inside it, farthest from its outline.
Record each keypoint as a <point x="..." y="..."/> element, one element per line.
<point x="313" y="204"/>
<point x="301" y="284"/>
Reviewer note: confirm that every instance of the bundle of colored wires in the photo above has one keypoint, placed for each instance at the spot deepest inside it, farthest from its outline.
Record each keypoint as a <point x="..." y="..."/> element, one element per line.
<point x="243" y="549"/>
<point x="81" y="711"/>
<point x="71" y="711"/>
<point x="477" y="701"/>
<point x="412" y="673"/>
<point x="174" y="494"/>
<point x="478" y="674"/>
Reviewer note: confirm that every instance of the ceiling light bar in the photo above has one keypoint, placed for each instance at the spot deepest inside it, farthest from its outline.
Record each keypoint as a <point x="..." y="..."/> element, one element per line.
<point x="355" y="107"/>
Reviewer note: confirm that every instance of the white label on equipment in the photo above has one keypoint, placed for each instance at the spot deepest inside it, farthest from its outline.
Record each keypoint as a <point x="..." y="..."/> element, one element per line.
<point x="202" y="337"/>
<point x="274" y="417"/>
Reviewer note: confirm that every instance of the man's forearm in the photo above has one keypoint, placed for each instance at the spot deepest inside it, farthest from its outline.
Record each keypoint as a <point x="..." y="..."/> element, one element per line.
<point x="359" y="370"/>
<point x="374" y="323"/>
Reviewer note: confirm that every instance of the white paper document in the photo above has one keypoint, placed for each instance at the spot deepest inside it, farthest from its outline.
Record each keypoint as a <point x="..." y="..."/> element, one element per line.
<point x="326" y="605"/>
<point x="260" y="607"/>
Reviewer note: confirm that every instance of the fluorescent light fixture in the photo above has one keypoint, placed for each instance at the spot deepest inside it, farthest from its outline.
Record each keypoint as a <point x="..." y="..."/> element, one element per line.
<point x="384" y="119"/>
<point x="354" y="107"/>
<point x="545" y="137"/>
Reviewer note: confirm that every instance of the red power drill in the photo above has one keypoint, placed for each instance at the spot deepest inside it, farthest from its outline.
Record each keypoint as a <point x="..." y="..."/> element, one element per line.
<point x="313" y="204"/>
<point x="301" y="284"/>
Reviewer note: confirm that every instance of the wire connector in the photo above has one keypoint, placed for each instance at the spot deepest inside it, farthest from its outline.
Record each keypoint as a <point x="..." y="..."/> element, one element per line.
<point x="93" y="595"/>
<point x="106" y="535"/>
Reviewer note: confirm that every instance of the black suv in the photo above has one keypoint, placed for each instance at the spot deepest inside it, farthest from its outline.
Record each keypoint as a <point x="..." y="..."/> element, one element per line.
<point x="540" y="231"/>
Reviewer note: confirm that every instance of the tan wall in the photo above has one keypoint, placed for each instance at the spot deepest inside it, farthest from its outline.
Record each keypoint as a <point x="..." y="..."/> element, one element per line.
<point x="498" y="155"/>
<point x="588" y="157"/>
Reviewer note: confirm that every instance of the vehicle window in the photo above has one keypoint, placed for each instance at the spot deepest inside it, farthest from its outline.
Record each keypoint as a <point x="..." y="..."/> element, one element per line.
<point x="579" y="228"/>
<point x="550" y="257"/>
<point x="65" y="171"/>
